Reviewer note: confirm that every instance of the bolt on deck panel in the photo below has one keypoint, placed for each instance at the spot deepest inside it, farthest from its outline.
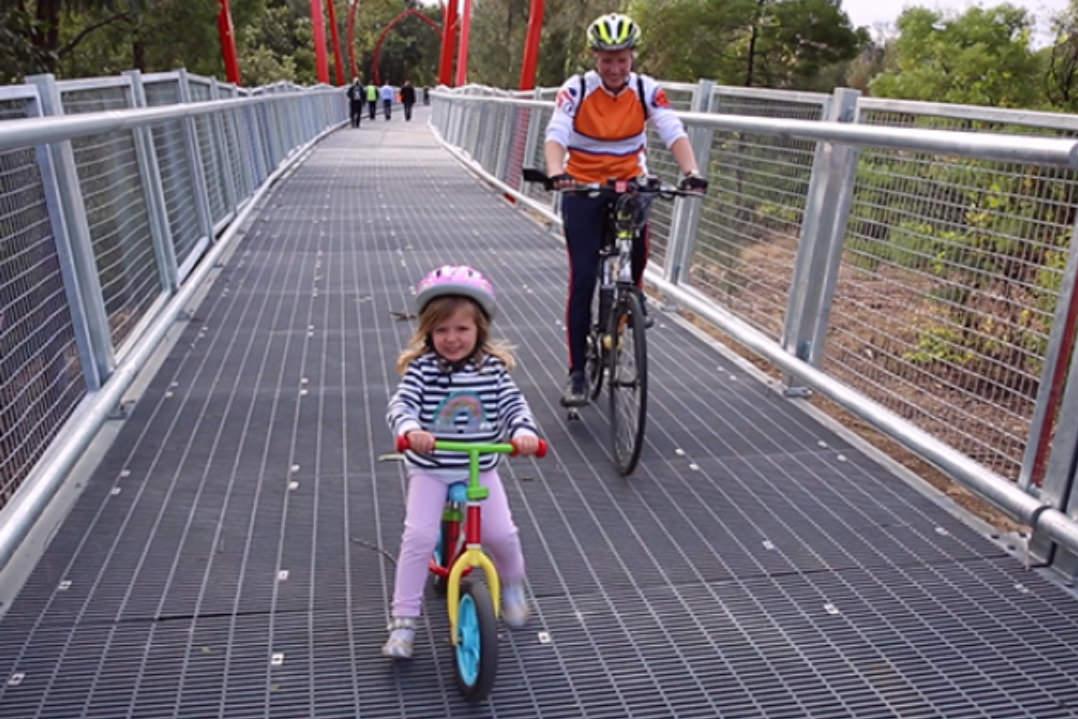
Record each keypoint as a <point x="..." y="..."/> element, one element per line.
<point x="232" y="554"/>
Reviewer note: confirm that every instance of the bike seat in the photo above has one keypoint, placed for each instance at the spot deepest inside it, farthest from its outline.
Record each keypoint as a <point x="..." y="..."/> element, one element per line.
<point x="458" y="492"/>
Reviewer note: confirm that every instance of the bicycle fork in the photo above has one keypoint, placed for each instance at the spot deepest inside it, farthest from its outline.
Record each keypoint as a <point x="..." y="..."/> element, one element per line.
<point x="472" y="557"/>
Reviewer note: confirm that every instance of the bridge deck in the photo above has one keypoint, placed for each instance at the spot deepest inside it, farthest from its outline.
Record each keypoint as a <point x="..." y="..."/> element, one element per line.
<point x="756" y="565"/>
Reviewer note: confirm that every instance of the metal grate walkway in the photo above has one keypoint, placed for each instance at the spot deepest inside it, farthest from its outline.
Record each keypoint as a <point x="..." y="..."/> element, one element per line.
<point x="228" y="558"/>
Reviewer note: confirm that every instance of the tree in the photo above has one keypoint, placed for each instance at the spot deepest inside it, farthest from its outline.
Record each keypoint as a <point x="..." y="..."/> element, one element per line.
<point x="19" y="56"/>
<point x="1061" y="78"/>
<point x="802" y="44"/>
<point x="981" y="57"/>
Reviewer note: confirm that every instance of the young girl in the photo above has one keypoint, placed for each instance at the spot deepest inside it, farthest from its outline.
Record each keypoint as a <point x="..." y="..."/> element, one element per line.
<point x="455" y="385"/>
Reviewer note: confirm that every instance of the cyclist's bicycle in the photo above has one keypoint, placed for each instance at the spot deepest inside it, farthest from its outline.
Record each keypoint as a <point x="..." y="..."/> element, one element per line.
<point x="617" y="343"/>
<point x="473" y="607"/>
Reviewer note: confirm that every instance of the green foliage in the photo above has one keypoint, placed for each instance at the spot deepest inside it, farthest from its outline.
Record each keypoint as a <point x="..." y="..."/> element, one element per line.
<point x="19" y="56"/>
<point x="982" y="57"/>
<point x="796" y="44"/>
<point x="86" y="38"/>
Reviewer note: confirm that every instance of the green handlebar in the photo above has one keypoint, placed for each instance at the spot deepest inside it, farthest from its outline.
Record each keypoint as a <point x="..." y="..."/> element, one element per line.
<point x="473" y="449"/>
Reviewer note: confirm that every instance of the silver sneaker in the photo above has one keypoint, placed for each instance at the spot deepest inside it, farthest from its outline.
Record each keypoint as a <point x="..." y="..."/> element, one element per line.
<point x="401" y="640"/>
<point x="515" y="609"/>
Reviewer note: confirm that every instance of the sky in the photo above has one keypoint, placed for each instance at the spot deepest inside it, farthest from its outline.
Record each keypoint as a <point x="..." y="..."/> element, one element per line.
<point x="878" y="14"/>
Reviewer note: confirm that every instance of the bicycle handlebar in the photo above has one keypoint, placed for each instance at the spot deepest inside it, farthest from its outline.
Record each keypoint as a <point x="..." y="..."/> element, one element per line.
<point x="653" y="186"/>
<point x="479" y="447"/>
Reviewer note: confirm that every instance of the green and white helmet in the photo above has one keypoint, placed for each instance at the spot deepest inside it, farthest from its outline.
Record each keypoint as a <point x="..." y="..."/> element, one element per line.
<point x="613" y="32"/>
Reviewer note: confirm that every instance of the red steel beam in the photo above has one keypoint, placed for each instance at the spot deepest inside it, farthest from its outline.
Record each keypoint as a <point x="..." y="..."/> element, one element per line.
<point x="334" y="33"/>
<point x="228" y="43"/>
<point x="531" y="46"/>
<point x="318" y="27"/>
<point x="462" y="54"/>
<point x="449" y="41"/>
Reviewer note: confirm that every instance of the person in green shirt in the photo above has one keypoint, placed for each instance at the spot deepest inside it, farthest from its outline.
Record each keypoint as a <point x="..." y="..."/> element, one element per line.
<point x="372" y="99"/>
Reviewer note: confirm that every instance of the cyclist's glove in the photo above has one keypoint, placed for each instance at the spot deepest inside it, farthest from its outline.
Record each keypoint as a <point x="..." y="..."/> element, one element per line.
<point x="693" y="183"/>
<point x="562" y="181"/>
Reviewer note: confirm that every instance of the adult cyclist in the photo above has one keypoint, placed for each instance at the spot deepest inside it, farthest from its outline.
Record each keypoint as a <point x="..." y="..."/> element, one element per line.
<point x="599" y="132"/>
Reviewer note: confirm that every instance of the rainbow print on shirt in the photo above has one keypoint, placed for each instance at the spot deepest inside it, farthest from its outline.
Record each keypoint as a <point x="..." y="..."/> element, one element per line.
<point x="460" y="412"/>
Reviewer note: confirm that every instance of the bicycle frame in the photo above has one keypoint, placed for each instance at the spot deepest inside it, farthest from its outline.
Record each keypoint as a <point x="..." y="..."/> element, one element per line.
<point x="473" y="554"/>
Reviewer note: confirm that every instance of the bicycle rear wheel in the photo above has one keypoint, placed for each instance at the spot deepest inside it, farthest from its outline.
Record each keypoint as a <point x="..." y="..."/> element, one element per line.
<point x="627" y="375"/>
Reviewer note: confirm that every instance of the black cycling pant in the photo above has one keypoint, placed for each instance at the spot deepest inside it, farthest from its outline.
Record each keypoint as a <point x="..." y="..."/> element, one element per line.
<point x="584" y="219"/>
<point x="356" y="112"/>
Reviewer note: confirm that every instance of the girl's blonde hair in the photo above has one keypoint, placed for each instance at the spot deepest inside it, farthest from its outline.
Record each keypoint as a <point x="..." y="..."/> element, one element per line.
<point x="439" y="310"/>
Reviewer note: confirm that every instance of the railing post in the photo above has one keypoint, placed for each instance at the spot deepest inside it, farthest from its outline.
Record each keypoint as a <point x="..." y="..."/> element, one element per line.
<point x="74" y="259"/>
<point x="535" y="117"/>
<point x="254" y="143"/>
<point x="74" y="246"/>
<point x="1059" y="488"/>
<point x="505" y="147"/>
<point x="150" y="172"/>
<point x="270" y="127"/>
<point x="194" y="159"/>
<point x="1061" y="340"/>
<point x="686" y="215"/>
<point x="823" y="232"/>
<point x="223" y="152"/>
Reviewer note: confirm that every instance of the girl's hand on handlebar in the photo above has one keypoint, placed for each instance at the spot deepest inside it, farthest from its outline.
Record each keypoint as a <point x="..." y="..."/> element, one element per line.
<point x="525" y="444"/>
<point x="420" y="442"/>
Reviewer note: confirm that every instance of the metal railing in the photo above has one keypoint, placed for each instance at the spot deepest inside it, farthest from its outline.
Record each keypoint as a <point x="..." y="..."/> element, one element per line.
<point x="114" y="193"/>
<point x="912" y="261"/>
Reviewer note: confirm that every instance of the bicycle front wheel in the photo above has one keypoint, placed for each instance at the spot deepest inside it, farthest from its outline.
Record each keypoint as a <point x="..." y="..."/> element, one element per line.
<point x="627" y="378"/>
<point x="476" y="653"/>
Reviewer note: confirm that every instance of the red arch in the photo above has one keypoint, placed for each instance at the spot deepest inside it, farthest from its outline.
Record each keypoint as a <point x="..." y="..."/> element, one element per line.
<point x="376" y="61"/>
<point x="353" y="6"/>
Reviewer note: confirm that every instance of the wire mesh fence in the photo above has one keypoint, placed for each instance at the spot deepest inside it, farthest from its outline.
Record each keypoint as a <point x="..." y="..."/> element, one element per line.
<point x="751" y="218"/>
<point x="177" y="179"/>
<point x="116" y="213"/>
<point x="949" y="284"/>
<point x="40" y="371"/>
<point x="660" y="162"/>
<point x="213" y="166"/>
<point x="51" y="319"/>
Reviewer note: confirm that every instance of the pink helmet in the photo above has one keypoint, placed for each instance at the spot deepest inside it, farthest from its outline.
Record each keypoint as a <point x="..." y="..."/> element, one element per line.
<point x="456" y="280"/>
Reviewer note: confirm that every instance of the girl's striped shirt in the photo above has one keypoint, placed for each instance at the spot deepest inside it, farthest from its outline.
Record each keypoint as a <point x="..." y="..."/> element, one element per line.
<point x="476" y="402"/>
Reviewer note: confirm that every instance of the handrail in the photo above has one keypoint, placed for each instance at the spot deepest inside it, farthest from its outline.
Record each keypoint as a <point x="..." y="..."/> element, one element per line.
<point x="45" y="130"/>
<point x="1006" y="148"/>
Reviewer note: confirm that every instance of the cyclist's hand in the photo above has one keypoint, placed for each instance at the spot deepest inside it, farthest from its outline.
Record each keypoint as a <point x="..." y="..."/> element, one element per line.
<point x="562" y="181"/>
<point x="421" y="442"/>
<point x="693" y="182"/>
<point x="525" y="444"/>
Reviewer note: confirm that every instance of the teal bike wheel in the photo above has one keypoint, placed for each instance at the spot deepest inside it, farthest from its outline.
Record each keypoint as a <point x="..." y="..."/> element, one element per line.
<point x="476" y="652"/>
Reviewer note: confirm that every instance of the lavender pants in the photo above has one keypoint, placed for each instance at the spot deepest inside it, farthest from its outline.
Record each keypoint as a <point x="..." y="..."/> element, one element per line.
<point x="422" y="526"/>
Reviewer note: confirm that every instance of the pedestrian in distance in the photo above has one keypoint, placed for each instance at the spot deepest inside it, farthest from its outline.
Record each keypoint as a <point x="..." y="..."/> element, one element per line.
<point x="387" y="93"/>
<point x="356" y="95"/>
<point x="372" y="99"/>
<point x="407" y="99"/>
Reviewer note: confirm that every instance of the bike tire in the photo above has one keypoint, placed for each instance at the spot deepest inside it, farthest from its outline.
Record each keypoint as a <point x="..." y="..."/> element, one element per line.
<point x="595" y="364"/>
<point x="475" y="656"/>
<point x="627" y="378"/>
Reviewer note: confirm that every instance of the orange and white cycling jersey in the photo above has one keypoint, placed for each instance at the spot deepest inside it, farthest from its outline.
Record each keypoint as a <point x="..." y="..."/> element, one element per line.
<point x="606" y="134"/>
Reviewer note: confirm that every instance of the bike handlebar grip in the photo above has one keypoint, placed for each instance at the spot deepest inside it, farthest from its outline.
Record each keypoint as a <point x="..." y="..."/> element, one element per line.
<point x="543" y="447"/>
<point x="402" y="443"/>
